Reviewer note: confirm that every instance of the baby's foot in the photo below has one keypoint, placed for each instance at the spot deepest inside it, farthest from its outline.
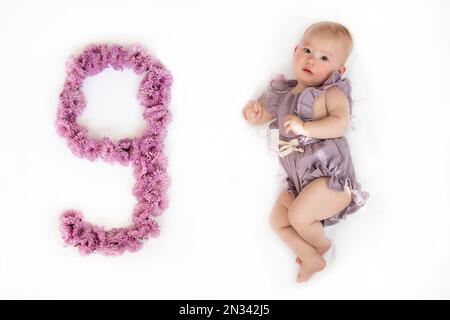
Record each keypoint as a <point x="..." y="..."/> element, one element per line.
<point x="310" y="265"/>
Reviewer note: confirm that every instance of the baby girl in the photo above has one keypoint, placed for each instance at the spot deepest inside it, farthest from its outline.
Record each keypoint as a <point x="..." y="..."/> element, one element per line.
<point x="312" y="114"/>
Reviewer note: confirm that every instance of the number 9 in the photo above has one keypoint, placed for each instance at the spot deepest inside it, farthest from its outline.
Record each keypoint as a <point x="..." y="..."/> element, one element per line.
<point x="145" y="152"/>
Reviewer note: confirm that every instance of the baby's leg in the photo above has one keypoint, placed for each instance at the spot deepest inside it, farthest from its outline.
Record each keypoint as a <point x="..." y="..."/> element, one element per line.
<point x="316" y="202"/>
<point x="311" y="261"/>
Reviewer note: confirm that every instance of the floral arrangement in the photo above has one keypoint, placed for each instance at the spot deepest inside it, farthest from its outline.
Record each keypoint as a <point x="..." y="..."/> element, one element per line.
<point x="145" y="152"/>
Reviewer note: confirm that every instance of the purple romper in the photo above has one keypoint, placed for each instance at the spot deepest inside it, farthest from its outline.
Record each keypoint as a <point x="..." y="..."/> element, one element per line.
<point x="310" y="158"/>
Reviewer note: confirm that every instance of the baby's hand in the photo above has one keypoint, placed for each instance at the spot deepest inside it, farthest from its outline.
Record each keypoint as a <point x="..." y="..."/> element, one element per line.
<point x="294" y="124"/>
<point x="252" y="112"/>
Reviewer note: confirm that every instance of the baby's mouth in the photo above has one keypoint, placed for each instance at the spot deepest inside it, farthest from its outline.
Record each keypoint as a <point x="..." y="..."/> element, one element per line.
<point x="307" y="70"/>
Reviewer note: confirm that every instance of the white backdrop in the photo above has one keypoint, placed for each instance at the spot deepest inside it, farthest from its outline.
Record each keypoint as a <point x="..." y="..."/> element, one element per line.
<point x="215" y="240"/>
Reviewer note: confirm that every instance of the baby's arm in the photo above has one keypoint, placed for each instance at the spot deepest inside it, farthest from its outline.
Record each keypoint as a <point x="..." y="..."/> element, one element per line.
<point x="336" y="123"/>
<point x="255" y="113"/>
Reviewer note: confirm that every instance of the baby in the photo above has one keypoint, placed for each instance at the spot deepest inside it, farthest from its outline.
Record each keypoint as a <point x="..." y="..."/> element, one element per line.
<point x="312" y="114"/>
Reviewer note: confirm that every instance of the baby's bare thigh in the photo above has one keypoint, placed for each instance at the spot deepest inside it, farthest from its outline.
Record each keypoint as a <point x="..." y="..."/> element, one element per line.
<point x="279" y="215"/>
<point x="286" y="199"/>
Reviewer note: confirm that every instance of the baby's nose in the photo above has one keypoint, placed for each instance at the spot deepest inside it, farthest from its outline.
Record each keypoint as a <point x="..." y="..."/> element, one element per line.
<point x="311" y="61"/>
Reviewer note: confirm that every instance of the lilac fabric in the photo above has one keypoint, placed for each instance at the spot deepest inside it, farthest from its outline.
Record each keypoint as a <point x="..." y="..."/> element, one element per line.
<point x="321" y="157"/>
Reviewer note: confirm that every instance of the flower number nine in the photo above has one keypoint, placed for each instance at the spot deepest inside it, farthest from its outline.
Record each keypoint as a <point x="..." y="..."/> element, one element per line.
<point x="145" y="152"/>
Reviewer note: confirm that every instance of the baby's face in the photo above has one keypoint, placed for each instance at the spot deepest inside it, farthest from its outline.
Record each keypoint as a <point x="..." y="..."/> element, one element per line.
<point x="316" y="57"/>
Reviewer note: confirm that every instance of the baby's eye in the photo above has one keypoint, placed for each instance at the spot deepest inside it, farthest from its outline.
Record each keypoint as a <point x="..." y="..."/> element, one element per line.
<point x="324" y="58"/>
<point x="306" y="50"/>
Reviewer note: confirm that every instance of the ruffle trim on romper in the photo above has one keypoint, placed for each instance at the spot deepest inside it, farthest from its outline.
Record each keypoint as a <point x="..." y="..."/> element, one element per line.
<point x="309" y="96"/>
<point x="277" y="88"/>
<point x="337" y="183"/>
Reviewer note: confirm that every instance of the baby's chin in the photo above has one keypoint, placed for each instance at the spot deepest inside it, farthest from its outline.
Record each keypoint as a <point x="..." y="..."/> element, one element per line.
<point x="310" y="81"/>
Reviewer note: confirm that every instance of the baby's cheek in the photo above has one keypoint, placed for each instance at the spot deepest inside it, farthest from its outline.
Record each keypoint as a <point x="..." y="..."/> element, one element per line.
<point x="298" y="60"/>
<point x="320" y="75"/>
<point x="323" y="74"/>
<point x="297" y="64"/>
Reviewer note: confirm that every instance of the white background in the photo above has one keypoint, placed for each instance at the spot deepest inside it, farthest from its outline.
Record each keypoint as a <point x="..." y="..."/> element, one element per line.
<point x="215" y="240"/>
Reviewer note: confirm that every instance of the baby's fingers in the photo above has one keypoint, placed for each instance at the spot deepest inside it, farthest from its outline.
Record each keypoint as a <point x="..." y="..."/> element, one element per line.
<point x="287" y="129"/>
<point x="251" y="117"/>
<point x="256" y="106"/>
<point x="287" y="126"/>
<point x="258" y="114"/>
<point x="244" y="113"/>
<point x="248" y="114"/>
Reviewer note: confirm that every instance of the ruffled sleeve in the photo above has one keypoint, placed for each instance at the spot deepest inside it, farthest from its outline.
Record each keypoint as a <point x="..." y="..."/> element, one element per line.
<point x="307" y="100"/>
<point x="278" y="87"/>
<point x="335" y="80"/>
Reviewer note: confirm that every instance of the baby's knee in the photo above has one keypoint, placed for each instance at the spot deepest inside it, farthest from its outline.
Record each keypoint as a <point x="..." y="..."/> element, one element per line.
<point x="297" y="219"/>
<point x="277" y="221"/>
<point x="274" y="221"/>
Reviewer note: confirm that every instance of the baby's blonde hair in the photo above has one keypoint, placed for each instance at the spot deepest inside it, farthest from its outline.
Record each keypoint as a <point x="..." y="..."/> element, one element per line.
<point x="333" y="29"/>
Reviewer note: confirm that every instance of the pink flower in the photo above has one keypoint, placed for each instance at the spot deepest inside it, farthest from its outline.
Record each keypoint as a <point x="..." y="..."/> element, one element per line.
<point x="118" y="57"/>
<point x="138" y="59"/>
<point x="154" y="88"/>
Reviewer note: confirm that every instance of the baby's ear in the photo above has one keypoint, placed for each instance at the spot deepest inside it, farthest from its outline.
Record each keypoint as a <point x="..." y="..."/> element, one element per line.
<point x="295" y="50"/>
<point x="342" y="69"/>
